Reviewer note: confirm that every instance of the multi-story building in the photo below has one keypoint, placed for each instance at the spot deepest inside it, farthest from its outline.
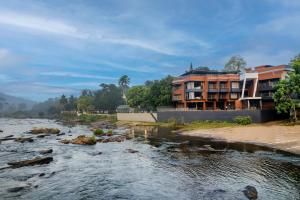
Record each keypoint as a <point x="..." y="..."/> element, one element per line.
<point x="204" y="89"/>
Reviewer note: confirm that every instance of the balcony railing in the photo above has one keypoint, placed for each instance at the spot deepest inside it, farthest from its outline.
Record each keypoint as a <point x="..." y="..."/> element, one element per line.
<point x="223" y="89"/>
<point x="194" y="89"/>
<point x="211" y="97"/>
<point x="266" y="87"/>
<point x="235" y="89"/>
<point x="176" y="98"/>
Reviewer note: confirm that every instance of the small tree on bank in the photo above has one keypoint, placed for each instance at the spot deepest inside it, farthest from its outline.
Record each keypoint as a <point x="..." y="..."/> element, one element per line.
<point x="124" y="85"/>
<point x="287" y="92"/>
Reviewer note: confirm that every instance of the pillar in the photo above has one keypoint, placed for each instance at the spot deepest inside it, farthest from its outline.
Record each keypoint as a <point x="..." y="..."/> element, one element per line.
<point x="248" y="104"/>
<point x="243" y="89"/>
<point x="255" y="87"/>
<point x="215" y="105"/>
<point x="204" y="105"/>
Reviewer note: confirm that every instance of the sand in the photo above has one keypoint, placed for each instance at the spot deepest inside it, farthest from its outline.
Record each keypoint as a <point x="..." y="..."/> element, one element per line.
<point x="286" y="138"/>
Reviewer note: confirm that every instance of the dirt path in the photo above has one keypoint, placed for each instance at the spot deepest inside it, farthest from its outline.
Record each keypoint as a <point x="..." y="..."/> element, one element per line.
<point x="286" y="138"/>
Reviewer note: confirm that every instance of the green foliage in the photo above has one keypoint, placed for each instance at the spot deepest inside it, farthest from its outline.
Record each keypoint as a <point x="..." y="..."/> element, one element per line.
<point x="243" y="120"/>
<point x="235" y="63"/>
<point x="98" y="132"/>
<point x="108" y="98"/>
<point x="92" y="139"/>
<point x="85" y="103"/>
<point x="151" y="95"/>
<point x="287" y="92"/>
<point x="206" y="124"/>
<point x="109" y="132"/>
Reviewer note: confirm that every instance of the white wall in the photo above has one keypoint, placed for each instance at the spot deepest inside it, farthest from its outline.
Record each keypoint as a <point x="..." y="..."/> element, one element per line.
<point x="138" y="117"/>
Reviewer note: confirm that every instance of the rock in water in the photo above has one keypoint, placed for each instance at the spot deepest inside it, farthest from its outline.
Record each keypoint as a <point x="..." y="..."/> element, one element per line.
<point x="1" y="131"/>
<point x="16" y="189"/>
<point x="132" y="151"/>
<point x="45" y="131"/>
<point x="250" y="192"/>
<point x="82" y="140"/>
<point x="23" y="139"/>
<point x="32" y="162"/>
<point x="46" y="151"/>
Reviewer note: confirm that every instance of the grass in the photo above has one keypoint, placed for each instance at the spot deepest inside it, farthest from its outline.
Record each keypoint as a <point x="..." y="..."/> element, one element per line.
<point x="207" y="124"/>
<point x="87" y="118"/>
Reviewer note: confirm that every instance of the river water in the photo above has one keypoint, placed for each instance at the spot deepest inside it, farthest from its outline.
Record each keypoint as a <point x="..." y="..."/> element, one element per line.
<point x="166" y="166"/>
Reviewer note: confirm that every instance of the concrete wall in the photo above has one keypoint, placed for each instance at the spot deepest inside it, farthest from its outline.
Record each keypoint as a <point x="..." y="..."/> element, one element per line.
<point x="257" y="116"/>
<point x="139" y="117"/>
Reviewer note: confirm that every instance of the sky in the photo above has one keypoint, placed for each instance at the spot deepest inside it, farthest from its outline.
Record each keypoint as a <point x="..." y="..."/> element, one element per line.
<point x="54" y="47"/>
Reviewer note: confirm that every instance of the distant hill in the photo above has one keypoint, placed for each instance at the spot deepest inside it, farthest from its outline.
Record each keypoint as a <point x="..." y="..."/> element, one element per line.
<point x="10" y="103"/>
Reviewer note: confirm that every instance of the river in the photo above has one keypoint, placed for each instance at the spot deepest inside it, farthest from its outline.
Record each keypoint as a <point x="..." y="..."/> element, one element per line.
<point x="166" y="166"/>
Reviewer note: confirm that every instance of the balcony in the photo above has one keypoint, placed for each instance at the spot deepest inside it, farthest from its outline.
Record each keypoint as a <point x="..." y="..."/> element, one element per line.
<point x="176" y="98"/>
<point x="265" y="87"/>
<point x="212" y="97"/>
<point x="235" y="89"/>
<point x="222" y="96"/>
<point x="213" y="89"/>
<point x="223" y="89"/>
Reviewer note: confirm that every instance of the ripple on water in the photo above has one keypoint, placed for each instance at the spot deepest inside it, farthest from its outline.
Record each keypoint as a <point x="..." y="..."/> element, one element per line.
<point x="79" y="172"/>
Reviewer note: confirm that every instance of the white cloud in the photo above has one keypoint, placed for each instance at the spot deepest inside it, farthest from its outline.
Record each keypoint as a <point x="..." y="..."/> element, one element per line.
<point x="161" y="39"/>
<point x="76" y="75"/>
<point x="265" y="57"/>
<point x="9" y="59"/>
<point x="284" y="25"/>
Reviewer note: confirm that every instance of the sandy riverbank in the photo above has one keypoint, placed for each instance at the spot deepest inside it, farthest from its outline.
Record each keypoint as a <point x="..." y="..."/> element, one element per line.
<point x="286" y="138"/>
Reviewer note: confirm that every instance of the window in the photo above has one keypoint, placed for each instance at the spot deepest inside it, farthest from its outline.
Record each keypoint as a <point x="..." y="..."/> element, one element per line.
<point x="235" y="85"/>
<point x="233" y="95"/>
<point x="189" y="85"/>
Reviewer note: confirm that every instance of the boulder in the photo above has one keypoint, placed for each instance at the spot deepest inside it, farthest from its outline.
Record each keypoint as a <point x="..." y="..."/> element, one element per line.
<point x="32" y="162"/>
<point x="250" y="192"/>
<point x="60" y="134"/>
<point x="54" y="131"/>
<point x="1" y="131"/>
<point x="82" y="140"/>
<point x="42" y="135"/>
<point x="132" y="151"/>
<point x="24" y="139"/>
<point x="16" y="189"/>
<point x="46" y="151"/>
<point x="119" y="138"/>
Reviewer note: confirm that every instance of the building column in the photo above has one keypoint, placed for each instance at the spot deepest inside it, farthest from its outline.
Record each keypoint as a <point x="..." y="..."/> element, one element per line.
<point x="185" y="106"/>
<point x="248" y="104"/>
<point x="243" y="89"/>
<point x="204" y="105"/>
<point x="260" y="103"/>
<point x="215" y="105"/>
<point x="255" y="87"/>
<point x="225" y="104"/>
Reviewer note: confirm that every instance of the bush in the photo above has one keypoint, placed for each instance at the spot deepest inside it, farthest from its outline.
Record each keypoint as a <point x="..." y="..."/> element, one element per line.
<point x="98" y="132"/>
<point x="243" y="120"/>
<point x="109" y="132"/>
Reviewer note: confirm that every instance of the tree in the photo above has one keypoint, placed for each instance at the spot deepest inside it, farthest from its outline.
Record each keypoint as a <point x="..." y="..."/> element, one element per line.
<point x="151" y="95"/>
<point x="85" y="103"/>
<point x="71" y="105"/>
<point x="235" y="63"/>
<point x="108" y="98"/>
<point x="124" y="84"/>
<point x="287" y="92"/>
<point x="138" y="97"/>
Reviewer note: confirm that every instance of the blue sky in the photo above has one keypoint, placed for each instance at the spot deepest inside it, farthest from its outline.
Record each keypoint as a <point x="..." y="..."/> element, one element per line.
<point x="52" y="47"/>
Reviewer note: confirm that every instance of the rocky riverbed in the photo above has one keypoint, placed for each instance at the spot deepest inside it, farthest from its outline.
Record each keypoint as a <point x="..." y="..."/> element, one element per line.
<point x="142" y="163"/>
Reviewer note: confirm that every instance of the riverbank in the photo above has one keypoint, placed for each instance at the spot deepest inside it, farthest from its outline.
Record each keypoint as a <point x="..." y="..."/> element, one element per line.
<point x="274" y="135"/>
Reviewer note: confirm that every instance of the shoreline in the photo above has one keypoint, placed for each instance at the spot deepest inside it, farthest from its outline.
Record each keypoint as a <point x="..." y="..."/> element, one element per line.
<point x="278" y="137"/>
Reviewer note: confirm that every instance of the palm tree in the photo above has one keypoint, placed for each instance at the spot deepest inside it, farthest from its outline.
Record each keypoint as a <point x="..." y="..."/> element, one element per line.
<point x="124" y="84"/>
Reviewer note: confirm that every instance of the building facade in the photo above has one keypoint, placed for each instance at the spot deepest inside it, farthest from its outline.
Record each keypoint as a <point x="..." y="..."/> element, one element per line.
<point x="204" y="89"/>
